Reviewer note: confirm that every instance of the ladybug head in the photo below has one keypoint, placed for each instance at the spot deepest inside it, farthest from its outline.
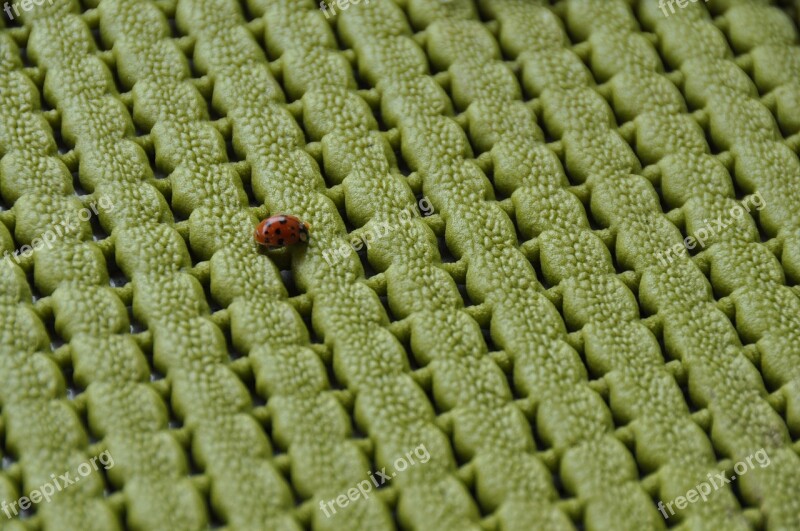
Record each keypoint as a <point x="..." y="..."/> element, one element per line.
<point x="260" y="233"/>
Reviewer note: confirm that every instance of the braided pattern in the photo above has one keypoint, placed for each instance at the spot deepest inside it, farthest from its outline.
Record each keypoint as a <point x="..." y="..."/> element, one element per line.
<point x="558" y="373"/>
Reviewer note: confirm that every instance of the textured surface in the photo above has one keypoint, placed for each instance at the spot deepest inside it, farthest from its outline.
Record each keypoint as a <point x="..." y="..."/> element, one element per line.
<point x="559" y="374"/>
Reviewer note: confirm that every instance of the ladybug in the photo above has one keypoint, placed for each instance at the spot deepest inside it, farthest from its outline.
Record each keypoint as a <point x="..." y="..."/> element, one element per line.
<point x="281" y="230"/>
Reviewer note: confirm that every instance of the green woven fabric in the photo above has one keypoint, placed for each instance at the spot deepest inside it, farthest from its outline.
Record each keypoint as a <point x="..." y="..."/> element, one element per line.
<point x="543" y="336"/>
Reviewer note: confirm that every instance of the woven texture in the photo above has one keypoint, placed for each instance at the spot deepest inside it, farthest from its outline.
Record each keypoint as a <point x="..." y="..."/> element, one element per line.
<point x="557" y="371"/>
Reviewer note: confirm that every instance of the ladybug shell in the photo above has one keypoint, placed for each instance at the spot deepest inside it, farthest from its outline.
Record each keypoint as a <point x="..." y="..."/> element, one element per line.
<point x="281" y="230"/>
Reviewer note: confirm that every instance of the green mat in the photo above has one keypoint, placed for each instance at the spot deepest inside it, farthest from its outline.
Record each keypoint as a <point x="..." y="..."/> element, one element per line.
<point x="551" y="283"/>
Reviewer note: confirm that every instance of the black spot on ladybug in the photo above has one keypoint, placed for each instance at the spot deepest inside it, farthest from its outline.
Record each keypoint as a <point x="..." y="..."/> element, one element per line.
<point x="280" y="241"/>
<point x="277" y="231"/>
<point x="283" y="221"/>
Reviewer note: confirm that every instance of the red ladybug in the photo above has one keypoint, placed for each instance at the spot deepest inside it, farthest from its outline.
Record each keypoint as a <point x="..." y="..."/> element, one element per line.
<point x="281" y="230"/>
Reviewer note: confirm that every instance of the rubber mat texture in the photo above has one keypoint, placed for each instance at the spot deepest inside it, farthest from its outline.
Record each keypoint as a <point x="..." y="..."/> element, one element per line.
<point x="525" y="334"/>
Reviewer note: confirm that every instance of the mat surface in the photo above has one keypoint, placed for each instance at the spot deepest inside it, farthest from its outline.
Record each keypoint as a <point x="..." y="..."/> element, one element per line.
<point x="551" y="283"/>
